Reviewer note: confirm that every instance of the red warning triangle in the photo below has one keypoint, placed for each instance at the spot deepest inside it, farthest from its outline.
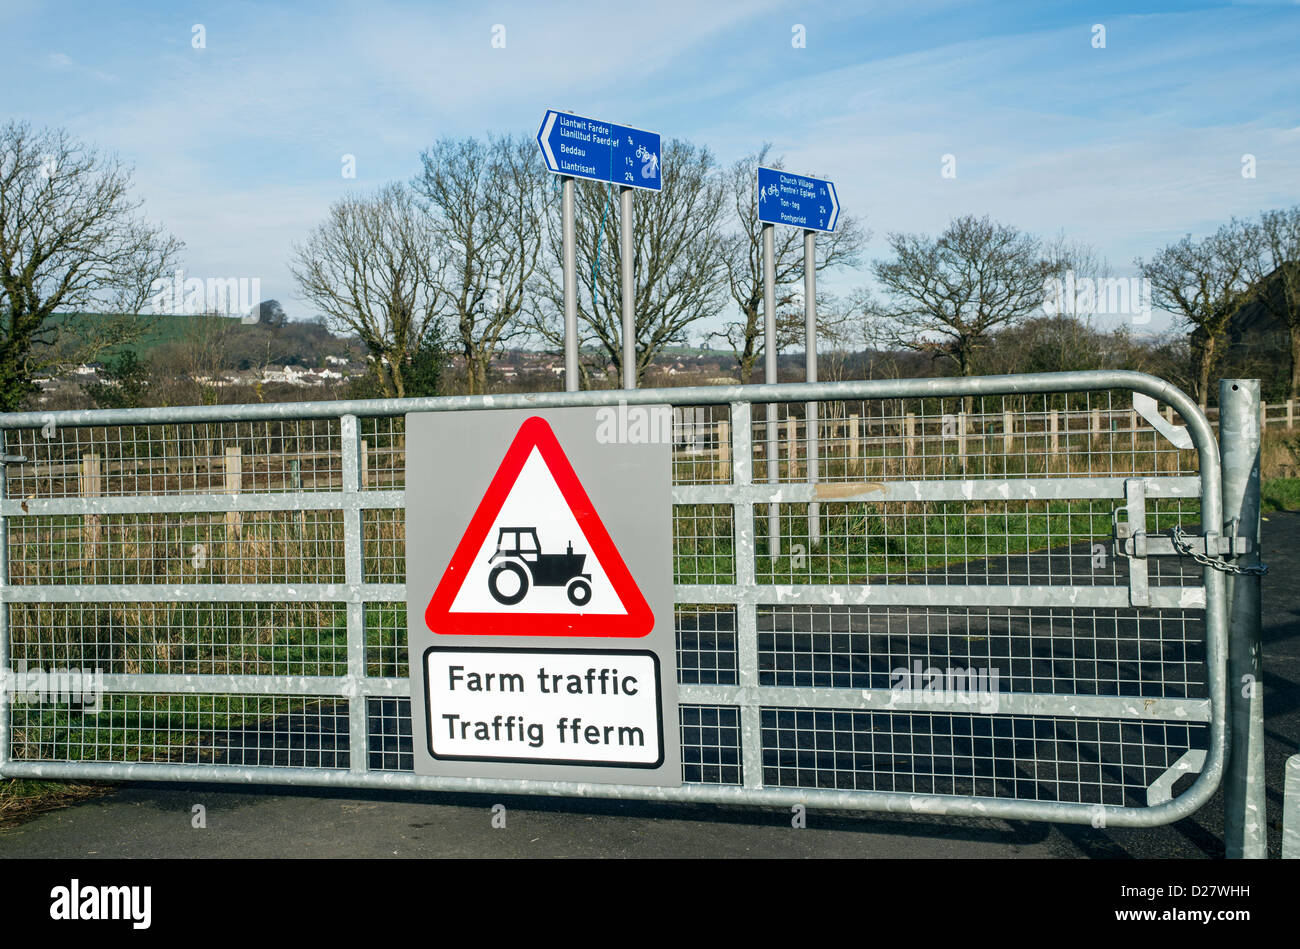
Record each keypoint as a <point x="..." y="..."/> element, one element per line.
<point x="536" y="559"/>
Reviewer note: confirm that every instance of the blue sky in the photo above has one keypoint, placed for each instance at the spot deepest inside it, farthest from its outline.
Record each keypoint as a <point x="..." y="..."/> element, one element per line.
<point x="238" y="146"/>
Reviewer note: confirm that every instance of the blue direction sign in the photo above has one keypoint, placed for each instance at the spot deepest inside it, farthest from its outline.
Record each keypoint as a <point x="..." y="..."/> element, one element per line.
<point x="797" y="200"/>
<point x="600" y="151"/>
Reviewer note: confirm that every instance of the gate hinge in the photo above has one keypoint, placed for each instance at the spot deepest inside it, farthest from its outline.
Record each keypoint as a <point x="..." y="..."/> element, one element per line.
<point x="13" y="459"/>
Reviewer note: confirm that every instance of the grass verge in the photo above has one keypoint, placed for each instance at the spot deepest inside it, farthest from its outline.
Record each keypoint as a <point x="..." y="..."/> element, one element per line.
<point x="1280" y="494"/>
<point x="21" y="799"/>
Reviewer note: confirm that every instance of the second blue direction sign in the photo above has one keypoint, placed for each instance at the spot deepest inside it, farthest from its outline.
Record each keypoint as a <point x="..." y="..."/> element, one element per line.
<point x="797" y="200"/>
<point x="600" y="151"/>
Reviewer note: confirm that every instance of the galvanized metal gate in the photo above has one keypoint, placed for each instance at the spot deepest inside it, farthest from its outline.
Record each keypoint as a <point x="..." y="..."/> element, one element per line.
<point x="960" y="597"/>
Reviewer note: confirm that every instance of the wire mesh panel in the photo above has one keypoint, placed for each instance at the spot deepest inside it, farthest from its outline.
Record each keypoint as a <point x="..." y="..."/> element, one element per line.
<point x="1007" y="650"/>
<point x="917" y="602"/>
<point x="168" y="638"/>
<point x="1043" y="435"/>
<point x="1074" y="760"/>
<point x="231" y="730"/>
<point x="281" y="455"/>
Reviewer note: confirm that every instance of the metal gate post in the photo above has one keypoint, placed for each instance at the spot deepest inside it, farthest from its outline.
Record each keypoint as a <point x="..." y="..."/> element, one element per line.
<point x="7" y="687"/>
<point x="1291" y="810"/>
<point x="1245" y="832"/>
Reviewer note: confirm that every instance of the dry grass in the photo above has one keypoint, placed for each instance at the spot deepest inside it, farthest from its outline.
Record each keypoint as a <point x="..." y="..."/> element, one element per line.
<point x="22" y="800"/>
<point x="1279" y="455"/>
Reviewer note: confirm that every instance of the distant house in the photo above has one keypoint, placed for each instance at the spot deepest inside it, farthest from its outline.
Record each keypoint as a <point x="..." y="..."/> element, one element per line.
<point x="290" y="374"/>
<point x="1258" y="340"/>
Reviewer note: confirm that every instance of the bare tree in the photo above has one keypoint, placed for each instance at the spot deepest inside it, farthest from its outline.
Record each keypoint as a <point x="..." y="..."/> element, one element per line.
<point x="1274" y="270"/>
<point x="678" y="269"/>
<point x="948" y="294"/>
<point x="203" y="353"/>
<point x="71" y="243"/>
<point x="1203" y="283"/>
<point x="371" y="268"/>
<point x="486" y="203"/>
<point x="838" y="331"/>
<point x="742" y="250"/>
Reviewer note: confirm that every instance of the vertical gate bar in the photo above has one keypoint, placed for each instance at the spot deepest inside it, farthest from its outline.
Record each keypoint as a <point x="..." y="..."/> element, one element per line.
<point x="742" y="519"/>
<point x="5" y="690"/>
<point x="353" y="553"/>
<point x="1245" y="833"/>
<point x="1139" y="583"/>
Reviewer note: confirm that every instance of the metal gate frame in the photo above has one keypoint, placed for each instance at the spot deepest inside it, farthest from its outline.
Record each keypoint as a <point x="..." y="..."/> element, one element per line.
<point x="748" y="694"/>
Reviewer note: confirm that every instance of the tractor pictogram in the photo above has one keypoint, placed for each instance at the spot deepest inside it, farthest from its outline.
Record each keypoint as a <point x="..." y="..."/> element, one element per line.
<point x="520" y="563"/>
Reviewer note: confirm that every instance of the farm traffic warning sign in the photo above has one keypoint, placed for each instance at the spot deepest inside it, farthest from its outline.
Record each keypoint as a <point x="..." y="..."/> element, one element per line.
<point x="536" y="559"/>
<point x="539" y="596"/>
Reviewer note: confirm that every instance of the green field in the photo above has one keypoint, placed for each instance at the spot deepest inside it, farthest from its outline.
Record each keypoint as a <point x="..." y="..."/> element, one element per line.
<point x="1280" y="494"/>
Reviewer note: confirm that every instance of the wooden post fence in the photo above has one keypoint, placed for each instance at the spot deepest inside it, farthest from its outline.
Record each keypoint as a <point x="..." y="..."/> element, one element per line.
<point x="234" y="482"/>
<point x="724" y="449"/>
<point x="91" y="487"/>
<point x="854" y="461"/>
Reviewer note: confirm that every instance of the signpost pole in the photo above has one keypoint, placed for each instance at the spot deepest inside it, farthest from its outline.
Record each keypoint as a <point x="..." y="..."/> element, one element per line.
<point x="576" y="147"/>
<point x="629" y="291"/>
<point x="810" y="367"/>
<point x="769" y="376"/>
<point x="570" y="288"/>
<point x="810" y="204"/>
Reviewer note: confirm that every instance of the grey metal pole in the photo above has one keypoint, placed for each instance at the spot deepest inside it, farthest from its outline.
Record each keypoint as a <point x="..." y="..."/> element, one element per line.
<point x="810" y="369"/>
<point x="570" y="288"/>
<point x="1245" y="830"/>
<point x="629" y="291"/>
<point x="769" y="376"/>
<point x="6" y="694"/>
<point x="1291" y="809"/>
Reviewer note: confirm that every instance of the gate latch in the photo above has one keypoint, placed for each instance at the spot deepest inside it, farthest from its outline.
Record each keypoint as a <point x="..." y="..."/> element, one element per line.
<point x="1130" y="542"/>
<point x="1133" y="542"/>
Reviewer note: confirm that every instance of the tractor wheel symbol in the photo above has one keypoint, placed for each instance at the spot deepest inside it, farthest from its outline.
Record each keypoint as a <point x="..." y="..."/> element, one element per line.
<point x="519" y="564"/>
<point x="579" y="592"/>
<point x="508" y="583"/>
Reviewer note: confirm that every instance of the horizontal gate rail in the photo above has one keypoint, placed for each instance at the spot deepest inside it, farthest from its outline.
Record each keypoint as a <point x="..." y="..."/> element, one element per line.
<point x="897" y="594"/>
<point x="937" y="594"/>
<point x="1011" y="703"/>
<point x="756" y="702"/>
<point x="1030" y="489"/>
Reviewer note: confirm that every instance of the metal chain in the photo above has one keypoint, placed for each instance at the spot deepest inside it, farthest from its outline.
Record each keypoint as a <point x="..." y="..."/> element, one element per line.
<point x="1218" y="563"/>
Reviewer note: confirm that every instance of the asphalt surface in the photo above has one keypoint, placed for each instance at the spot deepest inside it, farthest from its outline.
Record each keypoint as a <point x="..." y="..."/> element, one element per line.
<point x="156" y="820"/>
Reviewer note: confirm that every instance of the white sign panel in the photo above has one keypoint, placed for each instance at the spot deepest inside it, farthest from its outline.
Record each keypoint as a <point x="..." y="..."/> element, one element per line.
<point x="590" y="707"/>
